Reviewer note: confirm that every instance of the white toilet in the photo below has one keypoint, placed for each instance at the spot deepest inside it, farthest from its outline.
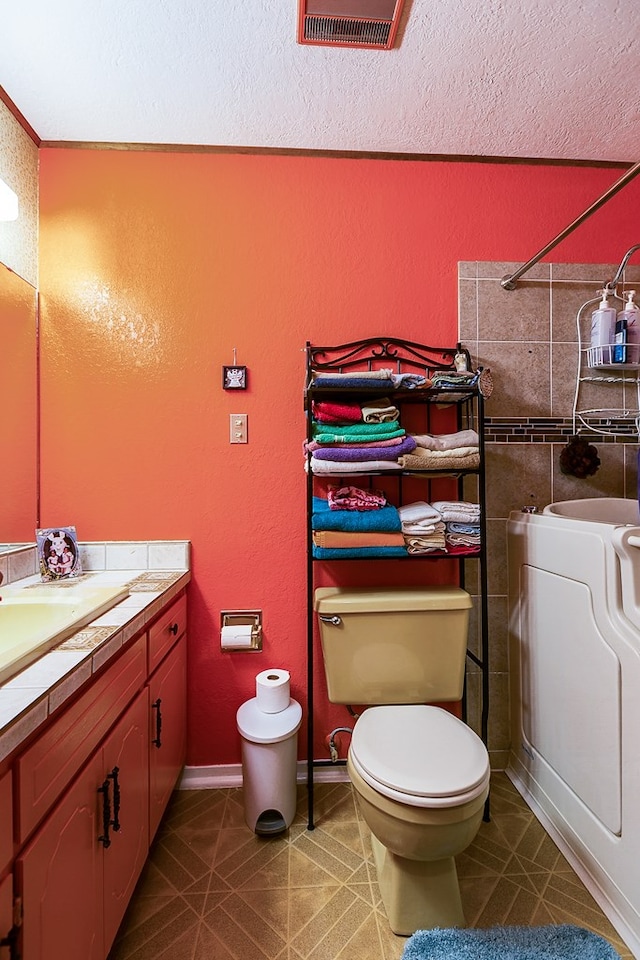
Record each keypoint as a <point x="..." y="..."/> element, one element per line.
<point x="420" y="774"/>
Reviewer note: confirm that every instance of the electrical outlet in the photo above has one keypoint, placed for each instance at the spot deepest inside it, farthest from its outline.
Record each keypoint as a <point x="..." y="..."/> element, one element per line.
<point x="238" y="428"/>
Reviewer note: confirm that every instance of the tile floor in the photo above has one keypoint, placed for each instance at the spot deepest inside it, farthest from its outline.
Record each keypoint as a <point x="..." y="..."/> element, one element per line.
<point x="213" y="890"/>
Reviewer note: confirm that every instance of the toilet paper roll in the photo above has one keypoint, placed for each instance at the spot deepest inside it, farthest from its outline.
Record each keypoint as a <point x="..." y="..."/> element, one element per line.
<point x="235" y="636"/>
<point x="272" y="690"/>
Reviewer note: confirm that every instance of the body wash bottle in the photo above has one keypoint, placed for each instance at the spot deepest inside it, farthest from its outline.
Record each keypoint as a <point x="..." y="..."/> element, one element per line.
<point x="629" y="316"/>
<point x="603" y="327"/>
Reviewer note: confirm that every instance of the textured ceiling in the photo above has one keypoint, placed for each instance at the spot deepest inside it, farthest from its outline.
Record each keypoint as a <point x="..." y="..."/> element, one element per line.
<point x="513" y="78"/>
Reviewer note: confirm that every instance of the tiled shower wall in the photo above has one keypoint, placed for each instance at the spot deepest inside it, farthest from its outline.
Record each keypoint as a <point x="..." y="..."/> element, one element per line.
<point x="528" y="337"/>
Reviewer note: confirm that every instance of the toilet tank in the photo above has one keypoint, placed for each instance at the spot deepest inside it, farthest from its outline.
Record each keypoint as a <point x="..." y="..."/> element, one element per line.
<point x="396" y="645"/>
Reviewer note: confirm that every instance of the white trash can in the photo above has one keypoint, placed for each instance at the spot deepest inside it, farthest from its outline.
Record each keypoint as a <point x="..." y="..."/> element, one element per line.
<point x="269" y="757"/>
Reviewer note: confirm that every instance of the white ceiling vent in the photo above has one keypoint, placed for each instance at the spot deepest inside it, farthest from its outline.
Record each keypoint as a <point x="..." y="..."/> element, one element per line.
<point x="349" y="23"/>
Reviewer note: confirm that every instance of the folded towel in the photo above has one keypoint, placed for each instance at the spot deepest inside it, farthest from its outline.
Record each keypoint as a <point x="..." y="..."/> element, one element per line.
<point x="421" y="530"/>
<point x="333" y="468"/>
<point x="312" y="445"/>
<point x="459" y="510"/>
<point x="462" y="540"/>
<point x="446" y="379"/>
<point x="356" y="432"/>
<point x="422" y="545"/>
<point x="355" y="498"/>
<point x="357" y="553"/>
<point x="447" y="441"/>
<point x="385" y="520"/>
<point x="355" y="453"/>
<point x="418" y="512"/>
<point x="444" y="455"/>
<point x="355" y="383"/>
<point x="340" y="538"/>
<point x="379" y="411"/>
<point x="326" y="412"/>
<point x="339" y="378"/>
<point x="469" y="461"/>
<point x="409" y="381"/>
<point x="456" y="527"/>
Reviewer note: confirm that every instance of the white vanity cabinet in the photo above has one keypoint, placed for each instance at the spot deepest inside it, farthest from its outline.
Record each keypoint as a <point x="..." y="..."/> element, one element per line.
<point x="83" y="790"/>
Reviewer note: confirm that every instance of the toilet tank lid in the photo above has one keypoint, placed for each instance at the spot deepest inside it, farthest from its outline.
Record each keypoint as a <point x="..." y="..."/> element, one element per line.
<point x="391" y="599"/>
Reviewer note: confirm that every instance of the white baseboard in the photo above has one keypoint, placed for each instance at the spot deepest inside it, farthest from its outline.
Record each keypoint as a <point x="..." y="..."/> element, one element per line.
<point x="230" y="775"/>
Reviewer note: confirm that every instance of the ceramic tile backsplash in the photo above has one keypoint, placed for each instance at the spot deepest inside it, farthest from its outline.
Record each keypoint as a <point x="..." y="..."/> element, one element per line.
<point x="108" y="555"/>
<point x="529" y="339"/>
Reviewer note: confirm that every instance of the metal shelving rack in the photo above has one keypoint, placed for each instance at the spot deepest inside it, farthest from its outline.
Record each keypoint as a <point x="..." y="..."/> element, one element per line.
<point x="464" y="409"/>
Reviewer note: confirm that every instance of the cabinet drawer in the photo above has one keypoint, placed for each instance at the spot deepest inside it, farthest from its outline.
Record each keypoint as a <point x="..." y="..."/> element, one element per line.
<point x="6" y="821"/>
<point x="165" y="631"/>
<point x="45" y="768"/>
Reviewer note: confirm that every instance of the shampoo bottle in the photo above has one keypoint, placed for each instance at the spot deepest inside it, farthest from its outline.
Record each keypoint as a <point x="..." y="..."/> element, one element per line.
<point x="629" y="316"/>
<point x="603" y="328"/>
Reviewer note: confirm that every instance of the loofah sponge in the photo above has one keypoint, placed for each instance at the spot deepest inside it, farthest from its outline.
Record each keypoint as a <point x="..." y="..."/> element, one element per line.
<point x="579" y="458"/>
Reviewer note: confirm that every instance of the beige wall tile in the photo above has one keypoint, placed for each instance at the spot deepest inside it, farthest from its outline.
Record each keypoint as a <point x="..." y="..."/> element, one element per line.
<point x="517" y="474"/>
<point x="522" y="378"/>
<point x="521" y="314"/>
<point x="468" y="312"/>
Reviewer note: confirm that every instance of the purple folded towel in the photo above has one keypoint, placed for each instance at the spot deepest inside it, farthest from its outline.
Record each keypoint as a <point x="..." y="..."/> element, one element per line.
<point x="358" y="454"/>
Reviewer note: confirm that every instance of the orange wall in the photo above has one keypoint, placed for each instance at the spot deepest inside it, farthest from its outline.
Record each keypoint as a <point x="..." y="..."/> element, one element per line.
<point x="154" y="266"/>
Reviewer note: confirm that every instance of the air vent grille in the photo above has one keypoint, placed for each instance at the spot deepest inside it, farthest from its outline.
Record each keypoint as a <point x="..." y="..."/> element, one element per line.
<point x="343" y="30"/>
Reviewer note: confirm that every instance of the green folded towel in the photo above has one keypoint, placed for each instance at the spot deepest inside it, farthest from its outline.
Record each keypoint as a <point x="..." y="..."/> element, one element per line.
<point x="356" y="432"/>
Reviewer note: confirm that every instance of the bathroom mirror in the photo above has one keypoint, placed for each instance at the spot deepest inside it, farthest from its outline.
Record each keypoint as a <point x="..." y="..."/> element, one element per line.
<point x="18" y="410"/>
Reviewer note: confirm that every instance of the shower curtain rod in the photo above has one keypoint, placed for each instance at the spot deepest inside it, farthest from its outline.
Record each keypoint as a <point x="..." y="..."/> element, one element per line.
<point x="509" y="282"/>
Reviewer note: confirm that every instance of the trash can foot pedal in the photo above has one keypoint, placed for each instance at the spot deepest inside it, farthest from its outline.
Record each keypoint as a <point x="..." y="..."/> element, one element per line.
<point x="270" y="822"/>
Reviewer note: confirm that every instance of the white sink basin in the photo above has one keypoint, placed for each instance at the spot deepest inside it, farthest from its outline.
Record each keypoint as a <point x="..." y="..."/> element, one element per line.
<point x="35" y="619"/>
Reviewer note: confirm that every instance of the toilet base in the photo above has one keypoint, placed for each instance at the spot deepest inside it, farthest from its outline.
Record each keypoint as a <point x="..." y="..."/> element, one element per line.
<point x="417" y="894"/>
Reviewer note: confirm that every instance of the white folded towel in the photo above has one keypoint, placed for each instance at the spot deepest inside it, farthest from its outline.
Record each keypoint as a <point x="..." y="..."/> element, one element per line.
<point x="419" y="511"/>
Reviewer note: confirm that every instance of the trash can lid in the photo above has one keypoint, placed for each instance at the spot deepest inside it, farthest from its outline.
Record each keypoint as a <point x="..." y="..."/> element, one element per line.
<point x="260" y="727"/>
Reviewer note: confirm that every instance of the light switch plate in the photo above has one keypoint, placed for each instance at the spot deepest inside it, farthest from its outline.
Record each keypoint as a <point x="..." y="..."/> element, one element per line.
<point x="238" y="428"/>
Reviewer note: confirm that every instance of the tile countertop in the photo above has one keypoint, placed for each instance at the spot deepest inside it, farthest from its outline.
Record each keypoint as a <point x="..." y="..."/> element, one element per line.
<point x="155" y="572"/>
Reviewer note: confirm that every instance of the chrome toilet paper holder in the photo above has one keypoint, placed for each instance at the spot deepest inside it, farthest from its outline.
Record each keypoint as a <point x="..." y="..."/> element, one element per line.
<point x="243" y="618"/>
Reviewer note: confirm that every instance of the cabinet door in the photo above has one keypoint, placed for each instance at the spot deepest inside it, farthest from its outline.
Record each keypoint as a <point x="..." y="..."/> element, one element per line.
<point x="125" y="764"/>
<point x="168" y="733"/>
<point x="6" y="913"/>
<point x="60" y="877"/>
<point x="6" y="821"/>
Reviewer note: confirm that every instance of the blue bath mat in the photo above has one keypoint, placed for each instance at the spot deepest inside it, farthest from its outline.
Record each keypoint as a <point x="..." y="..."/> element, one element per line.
<point x="563" y="942"/>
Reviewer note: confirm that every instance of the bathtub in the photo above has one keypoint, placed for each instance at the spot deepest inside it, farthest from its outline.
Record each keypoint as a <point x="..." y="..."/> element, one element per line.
<point x="574" y="662"/>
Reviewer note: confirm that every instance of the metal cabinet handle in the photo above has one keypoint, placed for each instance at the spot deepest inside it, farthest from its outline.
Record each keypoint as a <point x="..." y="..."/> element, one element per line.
<point x="11" y="941"/>
<point x="157" y="742"/>
<point x="105" y="839"/>
<point x="115" y="823"/>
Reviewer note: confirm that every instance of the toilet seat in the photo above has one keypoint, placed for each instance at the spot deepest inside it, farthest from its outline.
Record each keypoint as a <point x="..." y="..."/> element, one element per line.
<point x="419" y="755"/>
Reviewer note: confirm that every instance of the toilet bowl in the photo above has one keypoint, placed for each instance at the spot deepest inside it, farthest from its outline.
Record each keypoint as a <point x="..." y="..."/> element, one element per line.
<point x="421" y="777"/>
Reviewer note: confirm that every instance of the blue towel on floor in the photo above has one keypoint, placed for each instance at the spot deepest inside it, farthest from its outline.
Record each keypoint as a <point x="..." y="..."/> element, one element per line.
<point x="384" y="520"/>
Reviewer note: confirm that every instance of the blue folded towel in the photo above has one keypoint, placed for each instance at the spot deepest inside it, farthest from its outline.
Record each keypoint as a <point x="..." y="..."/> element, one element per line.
<point x="353" y="553"/>
<point x="454" y="527"/>
<point x="384" y="520"/>
<point x="349" y="383"/>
